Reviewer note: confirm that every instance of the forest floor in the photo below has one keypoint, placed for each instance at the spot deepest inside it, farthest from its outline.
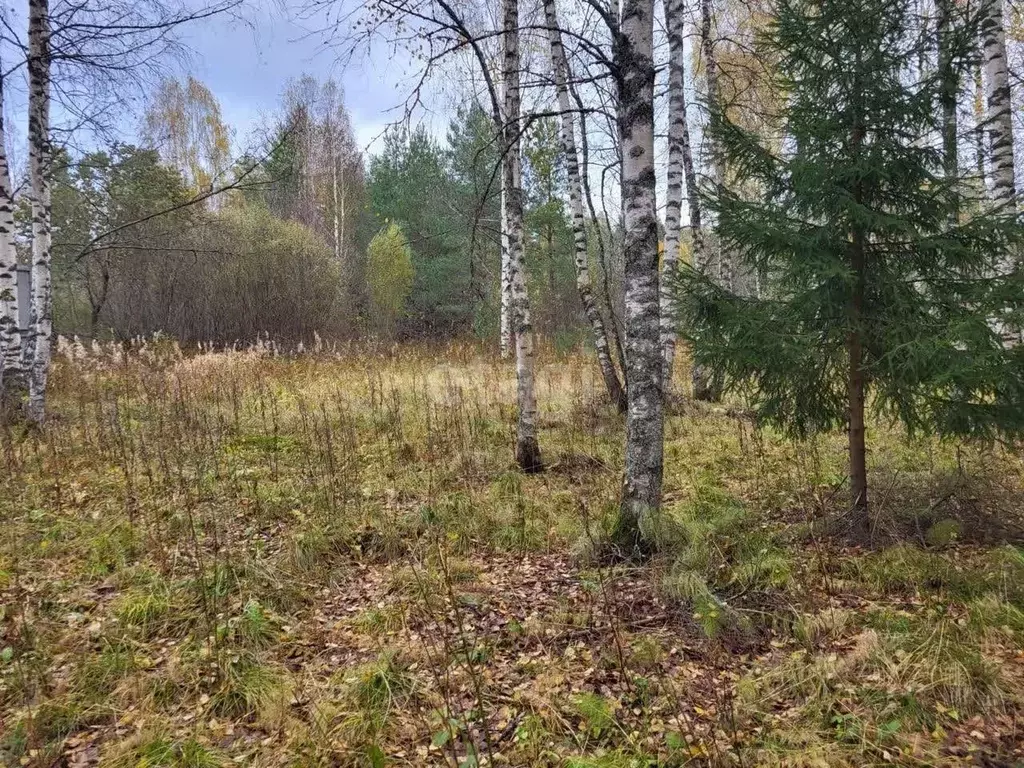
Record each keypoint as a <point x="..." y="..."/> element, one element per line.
<point x="330" y="560"/>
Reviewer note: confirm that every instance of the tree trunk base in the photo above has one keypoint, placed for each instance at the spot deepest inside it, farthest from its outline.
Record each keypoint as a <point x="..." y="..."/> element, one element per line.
<point x="528" y="455"/>
<point x="627" y="544"/>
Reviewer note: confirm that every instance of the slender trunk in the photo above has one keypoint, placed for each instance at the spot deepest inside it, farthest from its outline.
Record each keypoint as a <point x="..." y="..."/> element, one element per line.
<point x="94" y="319"/>
<point x="718" y="264"/>
<point x="857" y="378"/>
<point x="584" y="287"/>
<point x="602" y="251"/>
<point x="998" y="118"/>
<point x="999" y="122"/>
<point x="710" y="259"/>
<point x="979" y="123"/>
<point x="527" y="449"/>
<point x="923" y="13"/>
<point x="700" y="250"/>
<point x="680" y="166"/>
<point x="506" y="337"/>
<point x="641" y="488"/>
<point x="10" y="335"/>
<point x="341" y="220"/>
<point x="549" y="242"/>
<point x="40" y="157"/>
<point x="505" y="286"/>
<point x="857" y="386"/>
<point x="950" y="88"/>
<point x="97" y="298"/>
<point x="334" y="194"/>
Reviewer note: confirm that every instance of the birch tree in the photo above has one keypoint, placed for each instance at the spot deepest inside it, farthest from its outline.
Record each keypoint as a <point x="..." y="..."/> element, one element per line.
<point x="584" y="286"/>
<point x="10" y="335"/>
<point x="440" y="29"/>
<point x="710" y="261"/>
<point x="998" y="116"/>
<point x="505" y="335"/>
<point x="527" y="450"/>
<point x="321" y="169"/>
<point x="641" y="486"/>
<point x="184" y="123"/>
<point x="94" y="51"/>
<point x="337" y="149"/>
<point x="680" y="168"/>
<point x="40" y="155"/>
<point x="732" y="81"/>
<point x="345" y="168"/>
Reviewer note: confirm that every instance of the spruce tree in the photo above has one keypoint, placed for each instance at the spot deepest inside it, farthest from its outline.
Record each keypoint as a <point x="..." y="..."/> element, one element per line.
<point x="889" y="285"/>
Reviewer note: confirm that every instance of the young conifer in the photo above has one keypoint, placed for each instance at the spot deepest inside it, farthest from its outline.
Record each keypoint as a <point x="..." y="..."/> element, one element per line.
<point x="889" y="283"/>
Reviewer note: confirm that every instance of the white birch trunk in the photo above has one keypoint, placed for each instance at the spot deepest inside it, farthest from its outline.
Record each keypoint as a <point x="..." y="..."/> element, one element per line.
<point x="680" y="165"/>
<point x="337" y="213"/>
<point x="341" y="223"/>
<point x="10" y="335"/>
<point x="40" y="157"/>
<point x="527" y="448"/>
<point x="505" y="283"/>
<point x="697" y="241"/>
<point x="641" y="486"/>
<point x="998" y="116"/>
<point x="584" y="285"/>
<point x="614" y="323"/>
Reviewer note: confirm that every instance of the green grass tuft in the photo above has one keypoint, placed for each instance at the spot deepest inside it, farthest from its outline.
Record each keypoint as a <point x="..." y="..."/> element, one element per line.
<point x="163" y="752"/>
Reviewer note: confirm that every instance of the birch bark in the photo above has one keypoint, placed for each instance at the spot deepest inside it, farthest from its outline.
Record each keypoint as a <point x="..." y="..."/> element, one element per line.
<point x="714" y="261"/>
<point x="998" y="116"/>
<point x="334" y="194"/>
<point x="10" y="335"/>
<point x="680" y="168"/>
<point x="40" y="157"/>
<point x="527" y="449"/>
<point x="641" y="487"/>
<point x="505" y="283"/>
<point x="584" y="285"/>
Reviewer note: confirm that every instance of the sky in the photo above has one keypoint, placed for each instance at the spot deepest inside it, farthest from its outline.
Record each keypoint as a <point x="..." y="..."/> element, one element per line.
<point x="247" y="62"/>
<point x="248" y="57"/>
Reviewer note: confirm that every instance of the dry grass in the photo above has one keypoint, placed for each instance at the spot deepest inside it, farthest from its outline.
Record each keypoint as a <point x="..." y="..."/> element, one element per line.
<point x="329" y="559"/>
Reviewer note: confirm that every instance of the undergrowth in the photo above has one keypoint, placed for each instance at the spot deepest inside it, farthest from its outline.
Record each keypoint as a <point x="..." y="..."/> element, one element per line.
<point x="239" y="558"/>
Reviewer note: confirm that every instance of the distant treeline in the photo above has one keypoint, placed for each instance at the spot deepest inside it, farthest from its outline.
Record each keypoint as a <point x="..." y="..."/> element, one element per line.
<point x="308" y="236"/>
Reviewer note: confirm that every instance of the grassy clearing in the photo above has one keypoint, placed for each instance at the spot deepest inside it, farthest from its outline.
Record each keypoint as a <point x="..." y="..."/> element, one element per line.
<point x="330" y="560"/>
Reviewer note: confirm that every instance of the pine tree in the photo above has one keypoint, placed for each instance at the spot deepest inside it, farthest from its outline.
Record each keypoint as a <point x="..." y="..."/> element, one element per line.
<point x="888" y="286"/>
